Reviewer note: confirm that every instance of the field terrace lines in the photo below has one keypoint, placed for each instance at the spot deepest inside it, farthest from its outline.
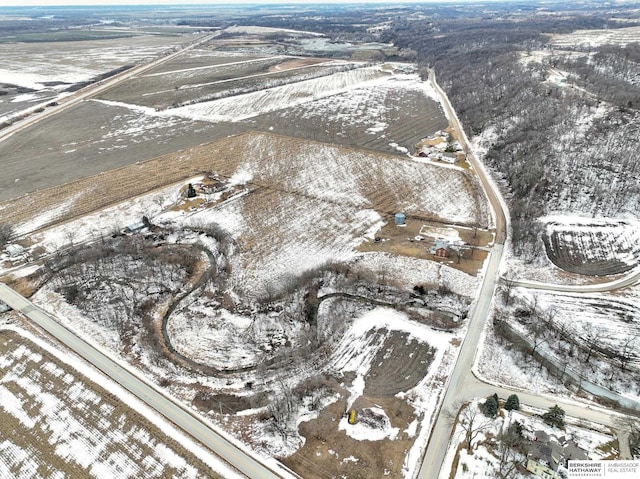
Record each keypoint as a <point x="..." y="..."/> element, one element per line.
<point x="57" y="423"/>
<point x="349" y="190"/>
<point x="396" y="111"/>
<point x="248" y="105"/>
<point x="592" y="38"/>
<point x="213" y="88"/>
<point x="592" y="247"/>
<point x="379" y="107"/>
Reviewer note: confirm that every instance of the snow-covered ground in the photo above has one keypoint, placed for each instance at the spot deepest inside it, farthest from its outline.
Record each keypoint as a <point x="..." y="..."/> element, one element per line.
<point x="38" y="65"/>
<point x="596" y="240"/>
<point x="301" y="205"/>
<point x="484" y="461"/>
<point x="80" y="428"/>
<point x="610" y="321"/>
<point x="240" y="107"/>
<point x="592" y="38"/>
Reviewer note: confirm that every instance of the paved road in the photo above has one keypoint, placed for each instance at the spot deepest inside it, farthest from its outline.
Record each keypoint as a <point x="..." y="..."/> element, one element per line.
<point x="628" y="280"/>
<point x="463" y="385"/>
<point x="498" y="205"/>
<point x="242" y="461"/>
<point x="457" y="387"/>
<point x="92" y="90"/>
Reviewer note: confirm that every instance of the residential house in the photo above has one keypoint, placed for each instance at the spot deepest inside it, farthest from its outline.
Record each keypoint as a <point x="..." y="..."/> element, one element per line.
<point x="549" y="455"/>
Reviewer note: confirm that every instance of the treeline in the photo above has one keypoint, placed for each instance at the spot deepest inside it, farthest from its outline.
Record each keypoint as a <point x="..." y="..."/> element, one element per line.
<point x="556" y="147"/>
<point x="611" y="72"/>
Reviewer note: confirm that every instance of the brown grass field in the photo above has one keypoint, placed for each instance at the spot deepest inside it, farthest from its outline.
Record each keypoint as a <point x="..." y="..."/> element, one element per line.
<point x="224" y="156"/>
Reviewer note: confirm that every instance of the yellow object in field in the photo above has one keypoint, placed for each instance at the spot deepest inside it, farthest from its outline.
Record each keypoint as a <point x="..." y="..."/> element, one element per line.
<point x="352" y="416"/>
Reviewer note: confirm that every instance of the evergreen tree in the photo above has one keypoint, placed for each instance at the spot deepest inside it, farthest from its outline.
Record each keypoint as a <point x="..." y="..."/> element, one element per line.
<point x="554" y="416"/>
<point x="7" y="233"/>
<point x="513" y="402"/>
<point x="490" y="407"/>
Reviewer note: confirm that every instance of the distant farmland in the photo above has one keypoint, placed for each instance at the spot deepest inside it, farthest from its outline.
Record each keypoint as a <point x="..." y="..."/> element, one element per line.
<point x="207" y="95"/>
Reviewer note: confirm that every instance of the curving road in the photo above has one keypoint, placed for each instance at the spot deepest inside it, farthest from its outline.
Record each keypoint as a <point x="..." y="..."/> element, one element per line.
<point x="242" y="461"/>
<point x="498" y="206"/>
<point x="628" y="280"/>
<point x="457" y="388"/>
<point x="462" y="385"/>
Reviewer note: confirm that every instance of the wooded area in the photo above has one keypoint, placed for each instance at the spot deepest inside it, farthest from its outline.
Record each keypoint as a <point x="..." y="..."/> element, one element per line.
<point x="563" y="144"/>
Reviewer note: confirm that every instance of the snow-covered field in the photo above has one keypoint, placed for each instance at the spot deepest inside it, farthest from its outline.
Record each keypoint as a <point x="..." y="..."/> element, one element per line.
<point x="591" y="246"/>
<point x="301" y="207"/>
<point x="37" y="66"/>
<point x="296" y="206"/>
<point x="591" y="38"/>
<point x="315" y="203"/>
<point x="54" y="420"/>
<point x="44" y="70"/>
<point x="240" y="107"/>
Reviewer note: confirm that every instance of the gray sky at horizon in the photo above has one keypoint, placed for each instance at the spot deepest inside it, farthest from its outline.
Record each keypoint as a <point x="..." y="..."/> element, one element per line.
<point x="33" y="3"/>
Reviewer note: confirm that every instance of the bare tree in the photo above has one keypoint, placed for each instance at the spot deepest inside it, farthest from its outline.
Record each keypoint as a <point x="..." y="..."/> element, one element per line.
<point x="628" y="350"/>
<point x="282" y="408"/>
<point x="70" y="236"/>
<point x="508" y="283"/>
<point x="591" y="335"/>
<point x="7" y="233"/>
<point x="512" y="445"/>
<point x="539" y="334"/>
<point x="629" y="427"/>
<point x="472" y="421"/>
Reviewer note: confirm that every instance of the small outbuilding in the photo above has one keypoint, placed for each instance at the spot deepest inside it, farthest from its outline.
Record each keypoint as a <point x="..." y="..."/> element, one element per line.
<point x="442" y="253"/>
<point x="134" y="227"/>
<point x="441" y="248"/>
<point x="14" y="250"/>
<point x="448" y="157"/>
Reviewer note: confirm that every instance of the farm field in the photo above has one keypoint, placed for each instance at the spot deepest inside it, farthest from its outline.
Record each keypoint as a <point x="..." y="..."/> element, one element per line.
<point x="393" y="117"/>
<point x="615" y="36"/>
<point x="262" y="302"/>
<point x="225" y="75"/>
<point x="223" y="92"/>
<point x="294" y="208"/>
<point x="592" y="247"/>
<point x="383" y="185"/>
<point x="41" y="71"/>
<point x="57" y="423"/>
<point x="315" y="202"/>
<point x="92" y="138"/>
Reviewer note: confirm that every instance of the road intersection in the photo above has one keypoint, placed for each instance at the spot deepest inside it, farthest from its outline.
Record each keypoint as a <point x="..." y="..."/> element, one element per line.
<point x="462" y="385"/>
